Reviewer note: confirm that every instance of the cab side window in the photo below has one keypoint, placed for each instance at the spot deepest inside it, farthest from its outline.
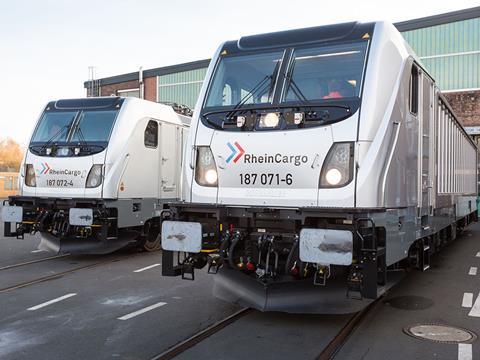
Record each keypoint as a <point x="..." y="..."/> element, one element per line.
<point x="413" y="98"/>
<point x="151" y="134"/>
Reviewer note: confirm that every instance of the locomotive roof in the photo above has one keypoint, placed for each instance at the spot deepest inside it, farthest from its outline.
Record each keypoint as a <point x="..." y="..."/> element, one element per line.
<point x="318" y="34"/>
<point x="115" y="102"/>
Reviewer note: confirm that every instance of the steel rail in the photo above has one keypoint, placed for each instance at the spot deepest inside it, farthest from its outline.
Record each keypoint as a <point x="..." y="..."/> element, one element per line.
<point x="57" y="275"/>
<point x="335" y="345"/>
<point x="202" y="335"/>
<point x="33" y="261"/>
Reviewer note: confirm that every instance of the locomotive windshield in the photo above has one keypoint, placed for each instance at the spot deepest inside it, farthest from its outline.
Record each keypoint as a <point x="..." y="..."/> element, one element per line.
<point x="59" y="130"/>
<point x="250" y="78"/>
<point x="329" y="72"/>
<point x="324" y="80"/>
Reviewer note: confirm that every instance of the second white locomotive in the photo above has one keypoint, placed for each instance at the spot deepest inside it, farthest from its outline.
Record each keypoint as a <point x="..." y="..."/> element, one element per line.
<point x="97" y="174"/>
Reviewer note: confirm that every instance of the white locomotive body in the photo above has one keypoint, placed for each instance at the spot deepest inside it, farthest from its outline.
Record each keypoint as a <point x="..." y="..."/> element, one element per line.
<point x="321" y="161"/>
<point x="98" y="173"/>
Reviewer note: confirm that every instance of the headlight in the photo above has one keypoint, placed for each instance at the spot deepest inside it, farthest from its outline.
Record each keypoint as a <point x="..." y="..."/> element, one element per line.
<point x="337" y="169"/>
<point x="333" y="176"/>
<point x="30" y="179"/>
<point x="206" y="169"/>
<point x="269" y="120"/>
<point x="94" y="177"/>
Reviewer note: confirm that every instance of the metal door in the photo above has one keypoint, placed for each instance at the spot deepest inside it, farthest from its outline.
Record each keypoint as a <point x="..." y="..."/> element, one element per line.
<point x="426" y="147"/>
<point x="169" y="138"/>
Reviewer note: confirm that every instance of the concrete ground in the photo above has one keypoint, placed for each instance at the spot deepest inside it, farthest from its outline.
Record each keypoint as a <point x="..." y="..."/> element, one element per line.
<point x="104" y="312"/>
<point x="434" y="296"/>
<point x="125" y="309"/>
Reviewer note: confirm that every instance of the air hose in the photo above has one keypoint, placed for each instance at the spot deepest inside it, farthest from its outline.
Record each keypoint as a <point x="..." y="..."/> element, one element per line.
<point x="290" y="255"/>
<point x="236" y="239"/>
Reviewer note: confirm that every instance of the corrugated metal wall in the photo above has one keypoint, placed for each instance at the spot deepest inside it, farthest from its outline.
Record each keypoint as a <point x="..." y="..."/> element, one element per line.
<point x="450" y="52"/>
<point x="456" y="160"/>
<point x="182" y="87"/>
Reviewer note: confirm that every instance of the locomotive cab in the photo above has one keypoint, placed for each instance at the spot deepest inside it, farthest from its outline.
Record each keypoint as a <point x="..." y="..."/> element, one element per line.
<point x="81" y="185"/>
<point x="311" y="170"/>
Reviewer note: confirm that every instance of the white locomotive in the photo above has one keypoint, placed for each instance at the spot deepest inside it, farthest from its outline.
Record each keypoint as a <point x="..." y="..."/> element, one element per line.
<point x="98" y="173"/>
<point x="323" y="160"/>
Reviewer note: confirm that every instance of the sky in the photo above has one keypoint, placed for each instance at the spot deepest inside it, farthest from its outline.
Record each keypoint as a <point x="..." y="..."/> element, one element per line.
<point x="47" y="46"/>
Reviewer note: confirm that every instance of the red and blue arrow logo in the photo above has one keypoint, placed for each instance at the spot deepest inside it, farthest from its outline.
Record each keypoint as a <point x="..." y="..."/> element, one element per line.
<point x="45" y="168"/>
<point x="237" y="152"/>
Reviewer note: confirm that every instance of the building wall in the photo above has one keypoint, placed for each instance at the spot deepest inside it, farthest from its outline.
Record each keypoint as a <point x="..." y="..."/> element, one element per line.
<point x="150" y="88"/>
<point x="109" y="90"/>
<point x="182" y="87"/>
<point x="8" y="184"/>
<point x="150" y="84"/>
<point x="450" y="52"/>
<point x="466" y="105"/>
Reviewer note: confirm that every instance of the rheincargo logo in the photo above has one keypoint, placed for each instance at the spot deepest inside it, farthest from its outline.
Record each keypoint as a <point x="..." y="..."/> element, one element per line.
<point x="296" y="160"/>
<point x="236" y="153"/>
<point x="46" y="169"/>
<point x="65" y="172"/>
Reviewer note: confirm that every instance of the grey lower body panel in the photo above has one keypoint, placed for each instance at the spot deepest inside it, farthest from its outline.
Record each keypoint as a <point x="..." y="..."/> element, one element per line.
<point x="116" y="222"/>
<point x="135" y="212"/>
<point x="381" y="238"/>
<point x="90" y="246"/>
<point x="298" y="297"/>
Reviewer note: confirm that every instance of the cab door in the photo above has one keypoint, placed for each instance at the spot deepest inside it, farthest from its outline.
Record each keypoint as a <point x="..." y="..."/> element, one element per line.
<point x="168" y="160"/>
<point x="426" y="145"/>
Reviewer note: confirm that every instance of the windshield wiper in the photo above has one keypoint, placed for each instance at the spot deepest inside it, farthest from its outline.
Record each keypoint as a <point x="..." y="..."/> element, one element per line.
<point x="256" y="88"/>
<point x="81" y="138"/>
<point x="296" y="89"/>
<point x="239" y="105"/>
<point x="58" y="133"/>
<point x="250" y="94"/>
<point x="298" y="92"/>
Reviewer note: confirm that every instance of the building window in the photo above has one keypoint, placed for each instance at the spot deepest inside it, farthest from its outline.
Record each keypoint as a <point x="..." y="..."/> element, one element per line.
<point x="413" y="99"/>
<point x="129" y="93"/>
<point x="151" y="134"/>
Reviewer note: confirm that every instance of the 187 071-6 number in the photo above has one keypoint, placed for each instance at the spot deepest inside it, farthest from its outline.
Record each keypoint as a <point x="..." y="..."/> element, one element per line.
<point x="266" y="179"/>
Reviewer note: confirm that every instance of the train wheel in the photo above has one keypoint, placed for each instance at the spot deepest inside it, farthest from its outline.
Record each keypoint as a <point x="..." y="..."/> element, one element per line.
<point x="151" y="240"/>
<point x="152" y="244"/>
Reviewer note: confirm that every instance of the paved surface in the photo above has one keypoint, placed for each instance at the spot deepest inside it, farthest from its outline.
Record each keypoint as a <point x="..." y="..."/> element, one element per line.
<point x="87" y="325"/>
<point x="434" y="296"/>
<point x="270" y="336"/>
<point x="125" y="309"/>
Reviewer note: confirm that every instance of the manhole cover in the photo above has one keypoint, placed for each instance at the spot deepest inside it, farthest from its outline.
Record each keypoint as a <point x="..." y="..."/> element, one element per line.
<point x="440" y="333"/>
<point x="410" y="302"/>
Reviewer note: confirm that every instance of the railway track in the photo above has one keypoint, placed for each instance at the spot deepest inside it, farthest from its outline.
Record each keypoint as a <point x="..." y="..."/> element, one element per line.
<point x="342" y="336"/>
<point x="327" y="353"/>
<point x="7" y="267"/>
<point x="202" y="335"/>
<point x="58" y="274"/>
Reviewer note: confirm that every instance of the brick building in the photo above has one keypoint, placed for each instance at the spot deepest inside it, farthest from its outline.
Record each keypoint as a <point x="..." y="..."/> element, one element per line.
<point x="448" y="45"/>
<point x="177" y="83"/>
